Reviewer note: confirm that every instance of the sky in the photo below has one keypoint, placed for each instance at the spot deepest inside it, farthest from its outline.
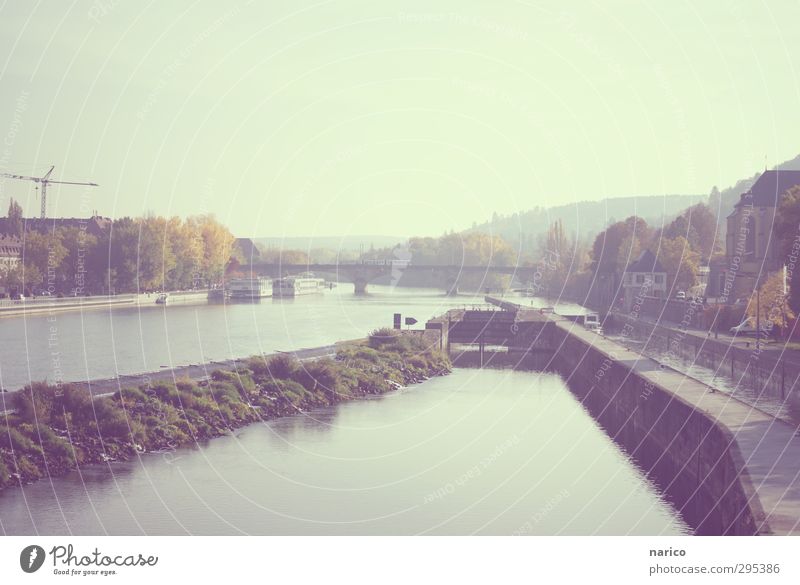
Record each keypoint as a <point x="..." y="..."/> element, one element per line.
<point x="288" y="118"/>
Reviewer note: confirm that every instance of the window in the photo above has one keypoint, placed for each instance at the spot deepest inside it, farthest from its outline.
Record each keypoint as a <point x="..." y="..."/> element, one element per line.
<point x="659" y="279"/>
<point x="640" y="279"/>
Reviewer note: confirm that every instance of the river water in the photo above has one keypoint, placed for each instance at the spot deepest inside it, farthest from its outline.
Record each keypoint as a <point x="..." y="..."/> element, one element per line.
<point x="479" y="451"/>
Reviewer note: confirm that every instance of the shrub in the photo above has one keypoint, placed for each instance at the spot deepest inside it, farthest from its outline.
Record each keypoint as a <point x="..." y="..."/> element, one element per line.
<point x="166" y="393"/>
<point x="318" y="375"/>
<point x="281" y="366"/>
<point x="11" y="438"/>
<point x="54" y="446"/>
<point x="131" y="396"/>
<point x="78" y="403"/>
<point x="5" y="475"/>
<point x="383" y="336"/>
<point x="27" y="468"/>
<point x="110" y="420"/>
<point x="34" y="403"/>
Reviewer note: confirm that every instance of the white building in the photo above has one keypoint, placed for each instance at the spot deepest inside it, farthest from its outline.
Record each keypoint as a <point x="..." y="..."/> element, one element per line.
<point x="644" y="277"/>
<point x="10" y="252"/>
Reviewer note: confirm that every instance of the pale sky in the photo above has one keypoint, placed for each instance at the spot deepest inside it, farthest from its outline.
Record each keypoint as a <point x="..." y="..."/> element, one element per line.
<point x="401" y="118"/>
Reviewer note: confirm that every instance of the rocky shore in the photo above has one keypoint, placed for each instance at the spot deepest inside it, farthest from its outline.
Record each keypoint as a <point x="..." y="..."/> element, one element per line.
<point x="57" y="429"/>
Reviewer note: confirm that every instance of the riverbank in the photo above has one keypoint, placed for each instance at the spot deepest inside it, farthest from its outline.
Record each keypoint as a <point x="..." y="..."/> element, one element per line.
<point x="48" y="305"/>
<point x="57" y="429"/>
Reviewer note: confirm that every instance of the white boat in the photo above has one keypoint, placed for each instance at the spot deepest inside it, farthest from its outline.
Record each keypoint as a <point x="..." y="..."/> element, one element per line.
<point x="592" y="322"/>
<point x="250" y="288"/>
<point x="293" y="286"/>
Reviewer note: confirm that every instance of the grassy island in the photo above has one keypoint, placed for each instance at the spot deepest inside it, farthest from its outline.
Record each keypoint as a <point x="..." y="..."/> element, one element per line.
<point x="55" y="429"/>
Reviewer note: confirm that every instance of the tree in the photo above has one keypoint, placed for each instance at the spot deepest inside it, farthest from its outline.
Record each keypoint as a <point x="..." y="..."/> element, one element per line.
<point x="772" y="301"/>
<point x="16" y="223"/>
<point x="42" y="254"/>
<point x="217" y="246"/>
<point x="187" y="249"/>
<point x="787" y="234"/>
<point x="608" y="243"/>
<point x="680" y="262"/>
<point x="155" y="257"/>
<point x="698" y="225"/>
<point x="120" y="259"/>
<point x="72" y="271"/>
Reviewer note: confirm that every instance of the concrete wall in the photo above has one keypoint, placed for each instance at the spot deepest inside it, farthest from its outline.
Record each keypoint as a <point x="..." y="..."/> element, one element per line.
<point x="693" y="458"/>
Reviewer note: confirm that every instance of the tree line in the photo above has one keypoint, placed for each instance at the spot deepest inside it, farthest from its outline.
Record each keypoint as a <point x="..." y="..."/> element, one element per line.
<point x="128" y="255"/>
<point x="572" y="266"/>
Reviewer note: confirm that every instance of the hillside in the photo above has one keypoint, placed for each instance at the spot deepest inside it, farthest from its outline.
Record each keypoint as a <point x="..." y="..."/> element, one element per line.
<point x="349" y="243"/>
<point x="585" y="218"/>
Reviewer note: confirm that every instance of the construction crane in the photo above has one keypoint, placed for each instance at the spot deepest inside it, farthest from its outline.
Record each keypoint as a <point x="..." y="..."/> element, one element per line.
<point x="45" y="181"/>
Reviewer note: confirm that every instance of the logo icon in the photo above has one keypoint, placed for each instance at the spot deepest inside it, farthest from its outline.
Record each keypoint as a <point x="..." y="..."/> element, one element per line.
<point x="31" y="558"/>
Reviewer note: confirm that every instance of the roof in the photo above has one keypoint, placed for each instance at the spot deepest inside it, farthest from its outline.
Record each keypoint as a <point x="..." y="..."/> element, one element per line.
<point x="767" y="189"/>
<point x="646" y="262"/>
<point x="10" y="246"/>
<point x="94" y="225"/>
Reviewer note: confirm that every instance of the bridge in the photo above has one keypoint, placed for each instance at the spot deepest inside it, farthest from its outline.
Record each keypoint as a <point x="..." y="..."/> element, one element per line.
<point x="362" y="273"/>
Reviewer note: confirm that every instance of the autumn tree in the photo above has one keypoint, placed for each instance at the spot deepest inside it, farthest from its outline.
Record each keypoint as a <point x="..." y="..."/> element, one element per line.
<point x="680" y="262"/>
<point x="609" y="254"/>
<point x="217" y="246"/>
<point x="698" y="225"/>
<point x="186" y="248"/>
<point x="772" y="303"/>
<point x="787" y="234"/>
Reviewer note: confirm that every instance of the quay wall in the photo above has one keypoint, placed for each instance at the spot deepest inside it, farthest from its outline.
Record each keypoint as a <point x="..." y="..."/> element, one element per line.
<point x="693" y="457"/>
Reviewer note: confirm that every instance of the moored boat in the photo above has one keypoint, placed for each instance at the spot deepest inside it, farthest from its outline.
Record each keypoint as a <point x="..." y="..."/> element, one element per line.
<point x="250" y="288"/>
<point x="293" y="286"/>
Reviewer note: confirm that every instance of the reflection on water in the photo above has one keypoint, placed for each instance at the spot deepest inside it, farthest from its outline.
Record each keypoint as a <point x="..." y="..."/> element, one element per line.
<point x="479" y="451"/>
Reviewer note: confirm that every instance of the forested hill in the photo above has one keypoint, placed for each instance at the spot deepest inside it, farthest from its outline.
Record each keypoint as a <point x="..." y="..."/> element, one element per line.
<point x="585" y="218"/>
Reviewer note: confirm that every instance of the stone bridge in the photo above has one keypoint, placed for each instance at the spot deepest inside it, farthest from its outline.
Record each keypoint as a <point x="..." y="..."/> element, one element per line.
<point x="361" y="274"/>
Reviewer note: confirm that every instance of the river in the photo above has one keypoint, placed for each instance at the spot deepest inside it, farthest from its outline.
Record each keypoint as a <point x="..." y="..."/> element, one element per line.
<point x="476" y="452"/>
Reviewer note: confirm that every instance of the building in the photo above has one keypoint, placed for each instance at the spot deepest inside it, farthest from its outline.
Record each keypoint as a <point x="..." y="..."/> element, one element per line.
<point x="644" y="277"/>
<point x="10" y="253"/>
<point x="247" y="249"/>
<point x="94" y="225"/>
<point x="751" y="252"/>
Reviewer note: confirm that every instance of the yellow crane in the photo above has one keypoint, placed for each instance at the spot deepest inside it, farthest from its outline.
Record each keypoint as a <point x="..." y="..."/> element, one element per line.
<point x="45" y="180"/>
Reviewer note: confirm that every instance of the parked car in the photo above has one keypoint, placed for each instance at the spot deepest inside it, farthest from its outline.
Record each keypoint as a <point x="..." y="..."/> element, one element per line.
<point x="745" y="328"/>
<point x="680" y="295"/>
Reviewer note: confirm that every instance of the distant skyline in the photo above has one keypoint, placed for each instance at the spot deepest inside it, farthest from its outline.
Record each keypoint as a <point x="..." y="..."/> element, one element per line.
<point x="295" y="118"/>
